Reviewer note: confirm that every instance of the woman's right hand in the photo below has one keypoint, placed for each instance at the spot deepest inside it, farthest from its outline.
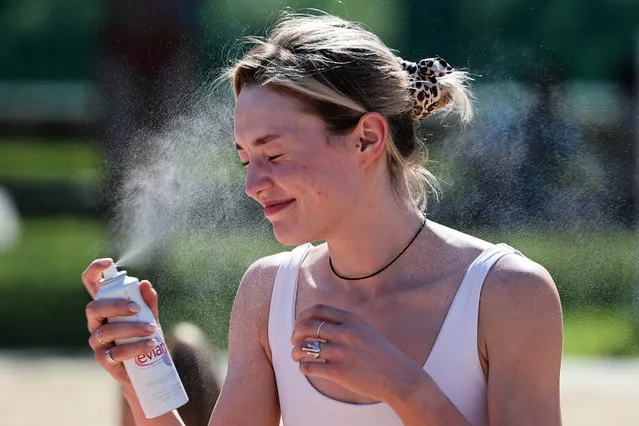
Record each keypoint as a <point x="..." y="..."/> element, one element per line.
<point x="103" y="334"/>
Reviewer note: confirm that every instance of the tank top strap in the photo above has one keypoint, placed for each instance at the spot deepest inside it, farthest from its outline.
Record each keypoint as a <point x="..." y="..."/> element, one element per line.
<point x="466" y="301"/>
<point x="478" y="271"/>
<point x="282" y="310"/>
<point x="461" y="324"/>
<point x="456" y="348"/>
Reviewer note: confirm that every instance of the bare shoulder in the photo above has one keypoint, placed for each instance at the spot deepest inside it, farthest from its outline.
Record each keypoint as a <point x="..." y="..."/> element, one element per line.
<point x="253" y="299"/>
<point x="250" y="379"/>
<point x="521" y="342"/>
<point x="516" y="281"/>
<point x="512" y="276"/>
<point x="520" y="303"/>
<point x="520" y="335"/>
<point x="259" y="278"/>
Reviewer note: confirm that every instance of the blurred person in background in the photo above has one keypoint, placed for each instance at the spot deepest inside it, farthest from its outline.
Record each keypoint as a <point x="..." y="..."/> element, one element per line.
<point x="195" y="363"/>
<point x="394" y="319"/>
<point x="9" y="222"/>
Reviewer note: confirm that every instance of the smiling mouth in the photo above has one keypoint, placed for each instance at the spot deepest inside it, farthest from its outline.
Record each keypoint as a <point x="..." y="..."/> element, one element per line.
<point x="272" y="209"/>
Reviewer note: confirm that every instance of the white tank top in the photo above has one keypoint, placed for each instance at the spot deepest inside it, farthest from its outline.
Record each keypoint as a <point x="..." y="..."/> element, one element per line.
<point x="453" y="362"/>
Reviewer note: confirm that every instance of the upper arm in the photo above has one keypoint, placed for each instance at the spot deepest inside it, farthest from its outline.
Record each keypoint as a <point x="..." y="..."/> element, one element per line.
<point x="249" y="394"/>
<point x="522" y="331"/>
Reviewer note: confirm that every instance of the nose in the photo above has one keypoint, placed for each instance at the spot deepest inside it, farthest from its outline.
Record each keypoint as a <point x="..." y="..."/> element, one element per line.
<point x="257" y="179"/>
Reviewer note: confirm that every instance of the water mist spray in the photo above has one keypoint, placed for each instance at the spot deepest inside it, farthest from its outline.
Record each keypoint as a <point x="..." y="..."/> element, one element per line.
<point x="152" y="374"/>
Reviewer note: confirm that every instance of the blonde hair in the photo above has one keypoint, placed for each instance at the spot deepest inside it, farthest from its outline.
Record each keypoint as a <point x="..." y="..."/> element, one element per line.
<point x="341" y="71"/>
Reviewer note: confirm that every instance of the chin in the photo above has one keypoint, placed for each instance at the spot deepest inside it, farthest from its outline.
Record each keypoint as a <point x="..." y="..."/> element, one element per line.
<point x="289" y="236"/>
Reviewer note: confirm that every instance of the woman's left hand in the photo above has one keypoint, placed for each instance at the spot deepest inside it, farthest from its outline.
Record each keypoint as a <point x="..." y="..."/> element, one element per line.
<point x="355" y="354"/>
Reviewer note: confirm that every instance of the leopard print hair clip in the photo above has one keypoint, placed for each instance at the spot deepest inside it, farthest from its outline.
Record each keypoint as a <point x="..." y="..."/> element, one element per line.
<point x="425" y="88"/>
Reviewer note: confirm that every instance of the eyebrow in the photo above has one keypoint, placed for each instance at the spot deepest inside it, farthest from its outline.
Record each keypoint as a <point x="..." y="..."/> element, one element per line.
<point x="262" y="141"/>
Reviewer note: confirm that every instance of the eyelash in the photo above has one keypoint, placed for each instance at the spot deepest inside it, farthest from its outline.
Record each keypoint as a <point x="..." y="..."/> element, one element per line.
<point x="271" y="158"/>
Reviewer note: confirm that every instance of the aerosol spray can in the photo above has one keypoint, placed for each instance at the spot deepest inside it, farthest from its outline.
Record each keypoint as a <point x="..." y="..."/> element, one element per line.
<point x="152" y="374"/>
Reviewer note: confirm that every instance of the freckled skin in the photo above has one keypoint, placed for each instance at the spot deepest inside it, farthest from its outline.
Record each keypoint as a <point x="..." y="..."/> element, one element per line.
<point x="307" y="171"/>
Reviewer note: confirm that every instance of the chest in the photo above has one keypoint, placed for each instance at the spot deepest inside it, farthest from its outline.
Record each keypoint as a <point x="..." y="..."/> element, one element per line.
<point x="410" y="319"/>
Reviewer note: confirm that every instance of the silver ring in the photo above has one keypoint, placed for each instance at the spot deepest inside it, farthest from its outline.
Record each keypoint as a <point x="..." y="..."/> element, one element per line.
<point x="317" y="333"/>
<point x="109" y="358"/>
<point x="313" y="349"/>
<point x="98" y="337"/>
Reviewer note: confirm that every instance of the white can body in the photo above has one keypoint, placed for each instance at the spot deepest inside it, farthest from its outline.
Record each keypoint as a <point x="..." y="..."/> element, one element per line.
<point x="153" y="375"/>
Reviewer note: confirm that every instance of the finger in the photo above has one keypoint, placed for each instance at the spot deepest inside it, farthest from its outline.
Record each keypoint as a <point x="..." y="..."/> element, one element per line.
<point x="123" y="352"/>
<point x="326" y="370"/>
<point x="116" y="370"/>
<point x="98" y="311"/>
<point x="96" y="340"/>
<point x="111" y="332"/>
<point x="326" y="313"/>
<point x="309" y="329"/>
<point x="328" y="352"/>
<point x="150" y="297"/>
<point x="93" y="274"/>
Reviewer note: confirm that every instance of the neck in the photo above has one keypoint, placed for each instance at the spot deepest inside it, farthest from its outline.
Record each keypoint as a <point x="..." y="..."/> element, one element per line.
<point x="365" y="246"/>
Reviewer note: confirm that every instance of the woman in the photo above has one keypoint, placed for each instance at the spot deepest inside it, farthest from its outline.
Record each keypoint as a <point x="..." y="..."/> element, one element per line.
<point x="394" y="319"/>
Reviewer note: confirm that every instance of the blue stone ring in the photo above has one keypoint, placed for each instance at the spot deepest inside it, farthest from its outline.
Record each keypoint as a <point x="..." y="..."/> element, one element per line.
<point x="313" y="349"/>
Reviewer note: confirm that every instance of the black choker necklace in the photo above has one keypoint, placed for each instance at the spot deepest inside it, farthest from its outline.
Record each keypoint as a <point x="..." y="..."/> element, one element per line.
<point x="330" y="262"/>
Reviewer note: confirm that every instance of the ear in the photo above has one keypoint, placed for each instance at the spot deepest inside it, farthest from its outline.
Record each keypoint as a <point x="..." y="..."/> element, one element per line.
<point x="370" y="135"/>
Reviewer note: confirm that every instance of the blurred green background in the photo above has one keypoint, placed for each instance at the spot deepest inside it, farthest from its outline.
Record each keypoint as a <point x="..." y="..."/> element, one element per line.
<point x="548" y="167"/>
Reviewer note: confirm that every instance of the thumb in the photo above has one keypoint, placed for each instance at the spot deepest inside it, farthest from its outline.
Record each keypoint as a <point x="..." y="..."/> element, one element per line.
<point x="150" y="297"/>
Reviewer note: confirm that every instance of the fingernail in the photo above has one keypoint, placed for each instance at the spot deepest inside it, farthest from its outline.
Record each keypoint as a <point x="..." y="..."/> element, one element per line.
<point x="134" y="307"/>
<point x="150" y="327"/>
<point x="105" y="262"/>
<point x="151" y="343"/>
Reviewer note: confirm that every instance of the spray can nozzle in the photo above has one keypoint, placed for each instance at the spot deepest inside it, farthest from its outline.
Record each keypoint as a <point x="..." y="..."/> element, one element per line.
<point x="110" y="272"/>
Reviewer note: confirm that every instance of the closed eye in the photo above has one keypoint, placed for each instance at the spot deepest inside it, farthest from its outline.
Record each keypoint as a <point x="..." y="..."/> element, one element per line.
<point x="269" y="158"/>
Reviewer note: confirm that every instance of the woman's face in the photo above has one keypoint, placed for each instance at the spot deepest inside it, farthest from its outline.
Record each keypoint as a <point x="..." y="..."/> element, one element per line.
<point x="304" y="180"/>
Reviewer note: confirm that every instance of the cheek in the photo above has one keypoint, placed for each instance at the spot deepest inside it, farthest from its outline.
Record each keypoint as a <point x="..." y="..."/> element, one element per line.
<point x="332" y="187"/>
<point x="323" y="180"/>
<point x="313" y="184"/>
<point x="319" y="188"/>
<point x="318" y="181"/>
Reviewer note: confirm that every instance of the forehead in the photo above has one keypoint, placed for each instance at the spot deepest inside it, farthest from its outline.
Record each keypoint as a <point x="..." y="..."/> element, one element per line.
<point x="262" y="110"/>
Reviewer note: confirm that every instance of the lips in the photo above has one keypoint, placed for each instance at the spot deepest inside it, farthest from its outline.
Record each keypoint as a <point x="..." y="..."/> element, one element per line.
<point x="276" y="206"/>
